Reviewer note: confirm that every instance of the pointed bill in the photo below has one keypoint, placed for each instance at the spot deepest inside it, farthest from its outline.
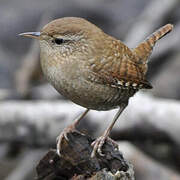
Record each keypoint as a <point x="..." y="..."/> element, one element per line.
<point x="34" y="35"/>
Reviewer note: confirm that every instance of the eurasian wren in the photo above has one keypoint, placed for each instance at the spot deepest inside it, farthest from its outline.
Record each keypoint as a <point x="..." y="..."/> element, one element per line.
<point x="91" y="68"/>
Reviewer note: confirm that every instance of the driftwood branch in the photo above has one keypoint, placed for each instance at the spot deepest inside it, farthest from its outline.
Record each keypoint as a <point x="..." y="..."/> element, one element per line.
<point x="38" y="123"/>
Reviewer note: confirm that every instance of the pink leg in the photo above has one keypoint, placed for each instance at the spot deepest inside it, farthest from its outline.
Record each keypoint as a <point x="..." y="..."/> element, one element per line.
<point x="99" y="142"/>
<point x="70" y="128"/>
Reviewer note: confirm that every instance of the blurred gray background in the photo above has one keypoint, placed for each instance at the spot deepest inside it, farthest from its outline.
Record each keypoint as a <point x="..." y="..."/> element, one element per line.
<point x="17" y="16"/>
<point x="20" y="74"/>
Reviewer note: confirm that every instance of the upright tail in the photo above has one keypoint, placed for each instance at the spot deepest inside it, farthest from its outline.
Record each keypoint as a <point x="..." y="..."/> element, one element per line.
<point x="144" y="49"/>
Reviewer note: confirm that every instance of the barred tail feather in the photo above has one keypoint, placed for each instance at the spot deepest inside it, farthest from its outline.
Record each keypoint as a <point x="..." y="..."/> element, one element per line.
<point x="150" y="41"/>
<point x="143" y="50"/>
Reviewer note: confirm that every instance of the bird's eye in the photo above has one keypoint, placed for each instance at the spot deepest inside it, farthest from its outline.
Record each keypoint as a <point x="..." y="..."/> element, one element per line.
<point x="58" y="41"/>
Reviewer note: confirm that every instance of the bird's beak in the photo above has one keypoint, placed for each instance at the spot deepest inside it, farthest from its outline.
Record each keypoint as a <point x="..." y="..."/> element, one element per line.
<point x="34" y="35"/>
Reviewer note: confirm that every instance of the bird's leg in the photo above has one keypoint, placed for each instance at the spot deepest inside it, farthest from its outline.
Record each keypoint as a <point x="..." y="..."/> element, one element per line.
<point x="98" y="143"/>
<point x="70" y="128"/>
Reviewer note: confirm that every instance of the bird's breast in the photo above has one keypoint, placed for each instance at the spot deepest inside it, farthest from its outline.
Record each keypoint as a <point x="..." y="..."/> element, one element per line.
<point x="68" y="79"/>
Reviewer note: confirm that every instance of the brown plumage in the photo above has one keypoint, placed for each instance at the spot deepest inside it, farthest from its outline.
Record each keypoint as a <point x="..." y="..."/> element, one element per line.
<point x="92" y="68"/>
<point x="144" y="49"/>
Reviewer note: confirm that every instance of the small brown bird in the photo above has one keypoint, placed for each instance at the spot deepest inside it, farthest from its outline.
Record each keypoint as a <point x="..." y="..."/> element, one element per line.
<point x="93" y="69"/>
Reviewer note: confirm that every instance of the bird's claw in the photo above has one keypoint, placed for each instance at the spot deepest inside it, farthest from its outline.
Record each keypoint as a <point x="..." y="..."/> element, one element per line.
<point x="97" y="146"/>
<point x="64" y="135"/>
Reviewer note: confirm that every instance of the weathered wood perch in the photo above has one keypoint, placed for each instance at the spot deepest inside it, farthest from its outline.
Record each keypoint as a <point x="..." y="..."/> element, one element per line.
<point x="75" y="162"/>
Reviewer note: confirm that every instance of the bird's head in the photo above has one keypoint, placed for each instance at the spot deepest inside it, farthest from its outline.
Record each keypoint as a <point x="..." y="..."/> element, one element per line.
<point x="67" y="36"/>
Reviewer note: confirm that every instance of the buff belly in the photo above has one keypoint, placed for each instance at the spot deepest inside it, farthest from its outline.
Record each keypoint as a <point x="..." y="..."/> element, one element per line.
<point x="85" y="93"/>
<point x="91" y="95"/>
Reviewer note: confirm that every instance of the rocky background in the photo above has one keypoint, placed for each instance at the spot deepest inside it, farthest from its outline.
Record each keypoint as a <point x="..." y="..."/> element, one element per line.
<point x="32" y="113"/>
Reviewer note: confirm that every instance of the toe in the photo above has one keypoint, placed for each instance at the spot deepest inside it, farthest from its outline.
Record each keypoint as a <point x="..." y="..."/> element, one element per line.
<point x="64" y="135"/>
<point x="97" y="146"/>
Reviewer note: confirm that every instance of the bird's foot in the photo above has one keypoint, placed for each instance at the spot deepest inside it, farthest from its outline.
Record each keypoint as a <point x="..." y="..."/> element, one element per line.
<point x="64" y="135"/>
<point x="98" y="144"/>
